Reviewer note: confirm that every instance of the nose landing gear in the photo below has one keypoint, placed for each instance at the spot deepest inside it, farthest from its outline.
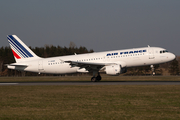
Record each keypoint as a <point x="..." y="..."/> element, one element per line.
<point x="153" y="71"/>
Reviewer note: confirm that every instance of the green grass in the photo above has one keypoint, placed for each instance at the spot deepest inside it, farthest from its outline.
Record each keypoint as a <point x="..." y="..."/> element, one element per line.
<point x="87" y="78"/>
<point x="132" y="102"/>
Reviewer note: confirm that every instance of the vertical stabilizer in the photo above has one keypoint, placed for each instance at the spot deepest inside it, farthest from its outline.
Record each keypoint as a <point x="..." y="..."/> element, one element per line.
<point x="20" y="51"/>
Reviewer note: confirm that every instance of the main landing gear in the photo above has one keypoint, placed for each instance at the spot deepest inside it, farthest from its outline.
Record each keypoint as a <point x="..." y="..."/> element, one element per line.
<point x="96" y="79"/>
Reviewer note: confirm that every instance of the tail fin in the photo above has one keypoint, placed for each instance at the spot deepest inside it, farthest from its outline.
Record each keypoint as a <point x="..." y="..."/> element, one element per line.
<point x="20" y="51"/>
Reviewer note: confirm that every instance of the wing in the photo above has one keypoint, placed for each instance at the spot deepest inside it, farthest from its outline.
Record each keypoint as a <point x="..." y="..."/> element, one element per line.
<point x="91" y="66"/>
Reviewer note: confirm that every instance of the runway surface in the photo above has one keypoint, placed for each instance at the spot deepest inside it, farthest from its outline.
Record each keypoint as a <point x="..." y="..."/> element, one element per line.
<point x="94" y="83"/>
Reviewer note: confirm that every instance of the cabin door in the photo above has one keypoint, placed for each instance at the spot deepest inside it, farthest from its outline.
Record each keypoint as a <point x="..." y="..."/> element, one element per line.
<point x="40" y="66"/>
<point x="151" y="53"/>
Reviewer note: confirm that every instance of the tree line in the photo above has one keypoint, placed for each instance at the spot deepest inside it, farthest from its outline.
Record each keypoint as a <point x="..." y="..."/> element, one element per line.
<point x="6" y="57"/>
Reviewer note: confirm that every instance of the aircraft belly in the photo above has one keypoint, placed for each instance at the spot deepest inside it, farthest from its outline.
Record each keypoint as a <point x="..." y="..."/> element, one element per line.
<point x="60" y="69"/>
<point x="133" y="61"/>
<point x="32" y="68"/>
<point x="65" y="70"/>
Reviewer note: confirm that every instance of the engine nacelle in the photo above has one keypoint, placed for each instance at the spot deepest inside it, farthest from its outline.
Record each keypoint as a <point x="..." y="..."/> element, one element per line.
<point x="113" y="70"/>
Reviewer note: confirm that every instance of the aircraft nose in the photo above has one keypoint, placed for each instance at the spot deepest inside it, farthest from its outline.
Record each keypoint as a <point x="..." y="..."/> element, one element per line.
<point x="172" y="56"/>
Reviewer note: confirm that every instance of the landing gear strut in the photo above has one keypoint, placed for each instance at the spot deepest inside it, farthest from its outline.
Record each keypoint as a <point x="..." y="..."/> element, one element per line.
<point x="153" y="71"/>
<point x="97" y="78"/>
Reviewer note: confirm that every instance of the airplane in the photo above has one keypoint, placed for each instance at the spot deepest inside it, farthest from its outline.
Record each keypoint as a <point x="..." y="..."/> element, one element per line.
<point x="112" y="62"/>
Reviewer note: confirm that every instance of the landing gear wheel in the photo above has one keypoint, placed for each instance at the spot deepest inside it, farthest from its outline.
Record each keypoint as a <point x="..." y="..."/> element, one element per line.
<point x="93" y="79"/>
<point x="98" y="78"/>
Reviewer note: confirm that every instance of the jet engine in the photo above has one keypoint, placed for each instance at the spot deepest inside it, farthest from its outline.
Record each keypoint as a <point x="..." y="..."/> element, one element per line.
<point x="113" y="69"/>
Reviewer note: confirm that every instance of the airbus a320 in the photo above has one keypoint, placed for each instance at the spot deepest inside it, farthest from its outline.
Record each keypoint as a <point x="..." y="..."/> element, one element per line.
<point x="112" y="62"/>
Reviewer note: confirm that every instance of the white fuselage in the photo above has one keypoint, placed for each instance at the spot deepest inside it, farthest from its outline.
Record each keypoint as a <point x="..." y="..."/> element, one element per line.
<point x="126" y="58"/>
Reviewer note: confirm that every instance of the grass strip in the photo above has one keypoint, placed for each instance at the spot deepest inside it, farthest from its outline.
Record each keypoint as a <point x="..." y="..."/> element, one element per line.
<point x="90" y="102"/>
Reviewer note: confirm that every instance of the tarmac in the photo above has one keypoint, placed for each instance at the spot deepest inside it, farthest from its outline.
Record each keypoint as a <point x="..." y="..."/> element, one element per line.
<point x="92" y="83"/>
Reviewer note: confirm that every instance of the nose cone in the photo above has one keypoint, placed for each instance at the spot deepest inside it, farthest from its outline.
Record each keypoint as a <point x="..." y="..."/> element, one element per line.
<point x="172" y="56"/>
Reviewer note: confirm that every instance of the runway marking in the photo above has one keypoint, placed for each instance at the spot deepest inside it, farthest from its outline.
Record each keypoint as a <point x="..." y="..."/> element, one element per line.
<point x="9" y="83"/>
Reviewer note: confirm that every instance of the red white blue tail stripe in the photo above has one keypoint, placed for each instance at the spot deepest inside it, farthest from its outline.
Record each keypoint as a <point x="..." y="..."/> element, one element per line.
<point x="19" y="49"/>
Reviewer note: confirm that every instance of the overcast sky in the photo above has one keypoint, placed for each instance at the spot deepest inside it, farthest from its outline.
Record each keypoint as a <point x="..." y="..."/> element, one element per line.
<point x="96" y="24"/>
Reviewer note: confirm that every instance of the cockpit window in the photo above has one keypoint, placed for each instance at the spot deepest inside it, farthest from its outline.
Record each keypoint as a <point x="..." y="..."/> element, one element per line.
<point x="163" y="51"/>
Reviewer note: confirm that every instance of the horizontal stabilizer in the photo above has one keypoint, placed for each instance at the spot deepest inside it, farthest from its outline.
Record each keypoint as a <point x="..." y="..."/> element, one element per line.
<point x="18" y="64"/>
